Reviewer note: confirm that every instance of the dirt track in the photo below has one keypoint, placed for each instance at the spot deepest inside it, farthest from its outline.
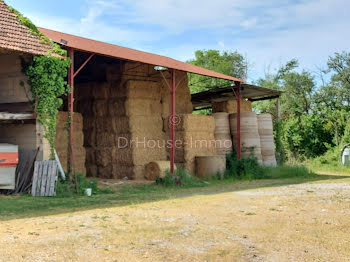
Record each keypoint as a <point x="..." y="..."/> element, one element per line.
<point x="305" y="222"/>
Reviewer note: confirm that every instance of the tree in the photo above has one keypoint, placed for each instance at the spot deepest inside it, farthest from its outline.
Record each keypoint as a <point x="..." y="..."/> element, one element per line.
<point x="228" y="63"/>
<point x="340" y="65"/>
<point x="300" y="133"/>
<point x="298" y="89"/>
<point x="332" y="99"/>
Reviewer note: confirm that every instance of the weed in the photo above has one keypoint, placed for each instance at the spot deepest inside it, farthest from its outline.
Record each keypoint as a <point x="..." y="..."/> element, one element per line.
<point x="67" y="188"/>
<point x="249" y="169"/>
<point x="180" y="178"/>
<point x="330" y="161"/>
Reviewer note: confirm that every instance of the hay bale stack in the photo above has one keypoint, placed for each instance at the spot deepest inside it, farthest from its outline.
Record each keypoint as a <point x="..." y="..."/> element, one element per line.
<point x="230" y="106"/>
<point x="195" y="137"/>
<point x="62" y="141"/>
<point x="182" y="96"/>
<point x="145" y="124"/>
<point x="123" y="119"/>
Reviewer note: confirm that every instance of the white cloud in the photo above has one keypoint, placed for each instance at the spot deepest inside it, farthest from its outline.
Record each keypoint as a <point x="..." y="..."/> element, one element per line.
<point x="221" y="44"/>
<point x="249" y="23"/>
<point x="269" y="32"/>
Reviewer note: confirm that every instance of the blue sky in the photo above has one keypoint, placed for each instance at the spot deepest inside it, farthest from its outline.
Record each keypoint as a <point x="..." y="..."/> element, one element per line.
<point x="268" y="33"/>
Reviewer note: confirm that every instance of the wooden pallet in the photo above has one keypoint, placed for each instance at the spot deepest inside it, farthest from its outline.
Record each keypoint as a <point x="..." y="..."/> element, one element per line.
<point x="45" y="178"/>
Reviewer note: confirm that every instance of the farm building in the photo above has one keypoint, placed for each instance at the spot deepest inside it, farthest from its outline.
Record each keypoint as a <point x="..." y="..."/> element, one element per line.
<point x="17" y="122"/>
<point x="128" y="108"/>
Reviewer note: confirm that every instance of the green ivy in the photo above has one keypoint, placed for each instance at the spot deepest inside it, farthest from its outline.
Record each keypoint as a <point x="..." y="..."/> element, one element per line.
<point x="55" y="48"/>
<point x="46" y="75"/>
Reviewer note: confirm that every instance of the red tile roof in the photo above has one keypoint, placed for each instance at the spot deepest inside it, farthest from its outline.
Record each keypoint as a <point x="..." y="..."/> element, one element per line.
<point x="17" y="37"/>
<point x="105" y="49"/>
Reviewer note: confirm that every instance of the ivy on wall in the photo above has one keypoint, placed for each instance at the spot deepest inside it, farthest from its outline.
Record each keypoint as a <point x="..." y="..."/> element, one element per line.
<point x="46" y="75"/>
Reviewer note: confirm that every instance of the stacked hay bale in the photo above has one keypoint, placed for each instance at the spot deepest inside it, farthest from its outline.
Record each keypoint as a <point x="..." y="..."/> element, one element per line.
<point x="195" y="137"/>
<point x="124" y="119"/>
<point x="250" y="139"/>
<point x="183" y="104"/>
<point x="62" y="141"/>
<point x="182" y="96"/>
<point x="222" y="134"/>
<point x="265" y="128"/>
<point x="98" y="129"/>
<point x="230" y="106"/>
<point x="145" y="125"/>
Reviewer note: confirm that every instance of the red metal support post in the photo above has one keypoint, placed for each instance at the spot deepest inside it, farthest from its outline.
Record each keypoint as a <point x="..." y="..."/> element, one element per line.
<point x="71" y="105"/>
<point x="238" y="97"/>
<point x="172" y="122"/>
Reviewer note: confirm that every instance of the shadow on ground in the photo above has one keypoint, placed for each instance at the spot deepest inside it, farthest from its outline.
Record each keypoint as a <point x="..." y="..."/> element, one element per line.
<point x="14" y="207"/>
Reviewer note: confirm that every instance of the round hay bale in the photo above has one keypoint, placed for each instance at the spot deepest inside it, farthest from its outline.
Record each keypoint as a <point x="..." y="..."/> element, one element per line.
<point x="156" y="169"/>
<point x="222" y="125"/>
<point x="210" y="165"/>
<point x="223" y="141"/>
<point x="250" y="138"/>
<point x="265" y="125"/>
<point x="269" y="160"/>
<point x="267" y="142"/>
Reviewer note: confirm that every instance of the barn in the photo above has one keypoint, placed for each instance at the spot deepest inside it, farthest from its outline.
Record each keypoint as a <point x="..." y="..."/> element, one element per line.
<point x="127" y="108"/>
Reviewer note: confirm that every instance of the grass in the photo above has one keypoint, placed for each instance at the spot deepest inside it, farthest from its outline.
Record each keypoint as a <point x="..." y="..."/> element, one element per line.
<point x="26" y="206"/>
<point x="249" y="168"/>
<point x="240" y="175"/>
<point x="329" y="162"/>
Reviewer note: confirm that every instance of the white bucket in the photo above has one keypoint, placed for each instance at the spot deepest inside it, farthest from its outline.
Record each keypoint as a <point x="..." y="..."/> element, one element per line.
<point x="88" y="192"/>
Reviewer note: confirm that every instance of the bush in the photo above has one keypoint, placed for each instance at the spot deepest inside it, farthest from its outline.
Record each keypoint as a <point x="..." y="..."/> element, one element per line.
<point x="250" y="169"/>
<point x="247" y="168"/>
<point x="329" y="162"/>
<point x="181" y="178"/>
<point x="287" y="172"/>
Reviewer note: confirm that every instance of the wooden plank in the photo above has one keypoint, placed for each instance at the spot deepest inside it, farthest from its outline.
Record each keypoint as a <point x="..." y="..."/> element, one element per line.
<point x="35" y="178"/>
<point x="50" y="178"/>
<point x="47" y="184"/>
<point x="40" y="173"/>
<point x="16" y="107"/>
<point x="44" y="177"/>
<point x="54" y="177"/>
<point x="16" y="116"/>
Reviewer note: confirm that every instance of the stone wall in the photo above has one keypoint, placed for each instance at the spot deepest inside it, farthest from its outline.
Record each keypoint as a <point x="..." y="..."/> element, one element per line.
<point x="13" y="83"/>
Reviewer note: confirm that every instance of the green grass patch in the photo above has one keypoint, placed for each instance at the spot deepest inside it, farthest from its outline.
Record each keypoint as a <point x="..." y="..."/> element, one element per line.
<point x="240" y="175"/>
<point x="329" y="162"/>
<point x="26" y="206"/>
<point x="250" y="169"/>
<point x="68" y="189"/>
<point x="180" y="178"/>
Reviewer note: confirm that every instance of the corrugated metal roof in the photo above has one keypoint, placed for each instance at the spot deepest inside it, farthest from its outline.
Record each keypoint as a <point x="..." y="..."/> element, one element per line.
<point x="15" y="36"/>
<point x="105" y="49"/>
<point x="251" y="92"/>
